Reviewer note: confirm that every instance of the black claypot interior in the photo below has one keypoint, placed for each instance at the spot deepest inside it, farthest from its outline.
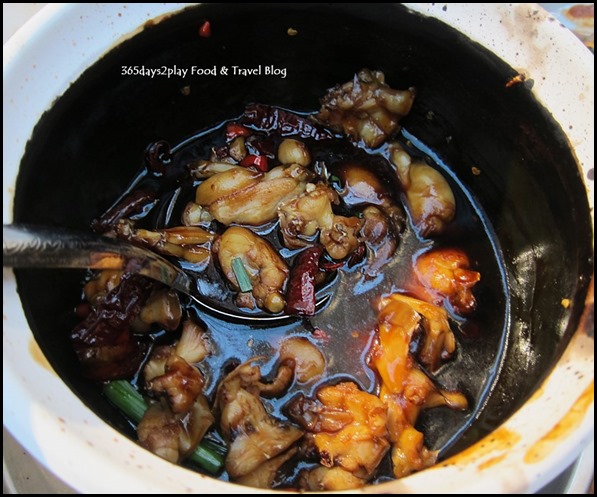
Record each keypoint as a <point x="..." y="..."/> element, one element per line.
<point x="88" y="147"/>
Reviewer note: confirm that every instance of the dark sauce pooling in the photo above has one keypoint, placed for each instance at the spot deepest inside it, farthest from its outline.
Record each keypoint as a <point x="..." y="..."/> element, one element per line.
<point x="345" y="328"/>
<point x="95" y="134"/>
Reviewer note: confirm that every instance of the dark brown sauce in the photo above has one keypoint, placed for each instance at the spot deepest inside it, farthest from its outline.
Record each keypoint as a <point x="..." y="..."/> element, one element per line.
<point x="346" y="326"/>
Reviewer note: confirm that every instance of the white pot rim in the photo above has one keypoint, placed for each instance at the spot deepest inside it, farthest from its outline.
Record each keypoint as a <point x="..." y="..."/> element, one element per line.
<point x="77" y="446"/>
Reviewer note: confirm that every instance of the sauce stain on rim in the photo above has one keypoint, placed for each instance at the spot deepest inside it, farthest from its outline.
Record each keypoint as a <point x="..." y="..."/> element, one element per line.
<point x="501" y="440"/>
<point x="549" y="442"/>
<point x="38" y="356"/>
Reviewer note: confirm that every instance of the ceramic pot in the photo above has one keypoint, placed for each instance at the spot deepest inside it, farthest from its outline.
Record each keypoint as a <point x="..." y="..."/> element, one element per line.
<point x="76" y="125"/>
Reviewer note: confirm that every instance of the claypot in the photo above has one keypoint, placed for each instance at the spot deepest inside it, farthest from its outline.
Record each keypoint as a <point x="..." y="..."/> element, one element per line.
<point x="76" y="127"/>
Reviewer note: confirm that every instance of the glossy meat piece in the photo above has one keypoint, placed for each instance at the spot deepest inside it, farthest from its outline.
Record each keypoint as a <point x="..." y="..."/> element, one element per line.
<point x="194" y="425"/>
<point x="159" y="432"/>
<point x="365" y="108"/>
<point x="103" y="341"/>
<point x="383" y="220"/>
<point x="293" y="152"/>
<point x="264" y="475"/>
<point x="446" y="274"/>
<point x="255" y="437"/>
<point x="381" y="238"/>
<point x="321" y="478"/>
<point x="174" y="436"/>
<point x="245" y="196"/>
<point x="438" y="341"/>
<point x="162" y="308"/>
<point x="266" y="269"/>
<point x="361" y="186"/>
<point x="346" y="427"/>
<point x="405" y="389"/>
<point x="304" y="216"/>
<point x="170" y="370"/>
<point x="174" y="425"/>
<point x="194" y="344"/>
<point x="102" y="282"/>
<point x="181" y="383"/>
<point x="203" y="169"/>
<point x="187" y="242"/>
<point x="307" y="360"/>
<point x="430" y="198"/>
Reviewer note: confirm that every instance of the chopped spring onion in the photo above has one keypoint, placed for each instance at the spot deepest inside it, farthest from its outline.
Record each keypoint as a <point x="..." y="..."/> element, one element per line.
<point x="242" y="277"/>
<point x="123" y="395"/>
<point x="335" y="182"/>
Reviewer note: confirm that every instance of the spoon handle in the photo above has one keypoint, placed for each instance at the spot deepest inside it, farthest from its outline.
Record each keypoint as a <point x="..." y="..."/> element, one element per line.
<point x="37" y="246"/>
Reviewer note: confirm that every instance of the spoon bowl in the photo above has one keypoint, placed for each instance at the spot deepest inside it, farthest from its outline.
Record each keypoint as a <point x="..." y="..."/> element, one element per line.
<point x="44" y="247"/>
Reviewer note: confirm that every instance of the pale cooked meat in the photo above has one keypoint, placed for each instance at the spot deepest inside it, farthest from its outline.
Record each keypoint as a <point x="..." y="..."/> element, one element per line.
<point x="254" y="436"/>
<point x="190" y="243"/>
<point x="194" y="425"/>
<point x="266" y="269"/>
<point x="159" y="432"/>
<point x="245" y="196"/>
<point x="322" y="478"/>
<point x="170" y="372"/>
<point x="162" y="308"/>
<point x="174" y="436"/>
<point x="365" y="108"/>
<point x="308" y="361"/>
<point x="264" y="475"/>
<point x="302" y="217"/>
<point x="430" y="198"/>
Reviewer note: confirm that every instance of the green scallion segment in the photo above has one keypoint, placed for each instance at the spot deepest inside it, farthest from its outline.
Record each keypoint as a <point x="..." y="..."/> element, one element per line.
<point x="209" y="460"/>
<point x="242" y="277"/>
<point x="208" y="455"/>
<point x="124" y="396"/>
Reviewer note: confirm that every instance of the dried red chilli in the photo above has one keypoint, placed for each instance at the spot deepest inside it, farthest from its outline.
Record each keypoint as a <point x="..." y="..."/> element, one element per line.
<point x="103" y="341"/>
<point x="234" y="130"/>
<point x="284" y="123"/>
<point x="354" y="258"/>
<point x="331" y="265"/>
<point x="357" y="255"/>
<point x="157" y="156"/>
<point x="205" y="30"/>
<point x="134" y="203"/>
<point x="300" y="297"/>
<point x="261" y="145"/>
<point x="260" y="162"/>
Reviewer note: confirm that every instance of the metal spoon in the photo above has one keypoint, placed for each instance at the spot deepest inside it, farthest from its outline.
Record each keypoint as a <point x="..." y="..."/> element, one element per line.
<point x="43" y="247"/>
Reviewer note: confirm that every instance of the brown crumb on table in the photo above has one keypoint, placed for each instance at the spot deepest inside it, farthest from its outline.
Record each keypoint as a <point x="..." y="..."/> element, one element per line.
<point x="292" y="32"/>
<point x="476" y="171"/>
<point x="519" y="78"/>
<point x="186" y="90"/>
<point x="565" y="303"/>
